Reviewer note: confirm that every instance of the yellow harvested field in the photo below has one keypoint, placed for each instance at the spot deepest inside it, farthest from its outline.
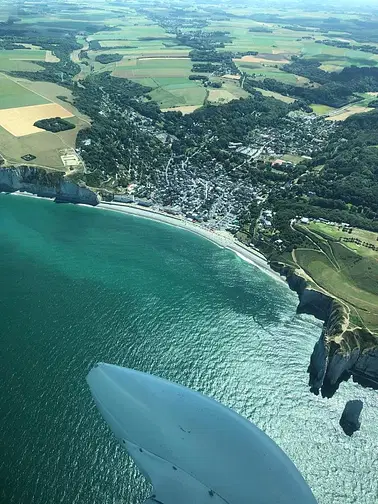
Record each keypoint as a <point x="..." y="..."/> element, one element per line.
<point x="262" y="59"/>
<point x="19" y="121"/>
<point x="149" y="58"/>
<point x="51" y="58"/>
<point x="345" y="113"/>
<point x="231" y="76"/>
<point x="330" y="68"/>
<point x="188" y="109"/>
<point x="220" y="96"/>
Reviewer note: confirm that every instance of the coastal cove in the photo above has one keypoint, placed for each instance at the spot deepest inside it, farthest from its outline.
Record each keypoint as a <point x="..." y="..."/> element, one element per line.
<point x="99" y="285"/>
<point x="343" y="350"/>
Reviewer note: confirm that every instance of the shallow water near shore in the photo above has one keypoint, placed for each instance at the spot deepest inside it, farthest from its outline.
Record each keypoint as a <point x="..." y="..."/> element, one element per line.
<point x="80" y="285"/>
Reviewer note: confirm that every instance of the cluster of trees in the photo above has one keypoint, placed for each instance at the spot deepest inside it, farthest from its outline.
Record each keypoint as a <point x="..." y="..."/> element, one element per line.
<point x="206" y="81"/>
<point x="205" y="67"/>
<point x="210" y="56"/>
<point x="260" y="29"/>
<point x="108" y="58"/>
<point x="308" y="68"/>
<point x="350" y="170"/>
<point x="202" y="78"/>
<point x="94" y="45"/>
<point x="224" y="60"/>
<point x="231" y="122"/>
<point x="54" y="124"/>
<point x="10" y="46"/>
<point x="216" y="85"/>
<point x="116" y="146"/>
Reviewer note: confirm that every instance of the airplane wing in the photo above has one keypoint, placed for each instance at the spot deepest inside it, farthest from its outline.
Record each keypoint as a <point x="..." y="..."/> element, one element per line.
<point x="193" y="449"/>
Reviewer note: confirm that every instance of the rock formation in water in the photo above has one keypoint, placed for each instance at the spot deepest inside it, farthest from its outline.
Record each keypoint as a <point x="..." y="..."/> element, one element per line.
<point x="350" y="419"/>
<point x="47" y="184"/>
<point x="342" y="351"/>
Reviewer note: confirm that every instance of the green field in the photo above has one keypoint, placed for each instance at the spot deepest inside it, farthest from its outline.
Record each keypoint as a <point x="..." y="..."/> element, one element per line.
<point x="287" y="42"/>
<point x="132" y="29"/>
<point x="321" y="109"/>
<point x="277" y="96"/>
<point x="144" y="50"/>
<point x="14" y="95"/>
<point x="21" y="59"/>
<point x="337" y="233"/>
<point x="281" y="40"/>
<point x="168" y="77"/>
<point x="262" y="71"/>
<point x="181" y="95"/>
<point x="339" y="57"/>
<point x="164" y="68"/>
<point x="135" y="37"/>
<point x="347" y="271"/>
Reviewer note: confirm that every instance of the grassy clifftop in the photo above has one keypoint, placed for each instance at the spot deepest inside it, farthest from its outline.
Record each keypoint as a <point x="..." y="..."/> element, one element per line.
<point x="343" y="262"/>
<point x="344" y="349"/>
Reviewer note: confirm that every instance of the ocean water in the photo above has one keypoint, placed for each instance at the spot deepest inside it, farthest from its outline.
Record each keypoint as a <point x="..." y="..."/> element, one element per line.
<point x="79" y="285"/>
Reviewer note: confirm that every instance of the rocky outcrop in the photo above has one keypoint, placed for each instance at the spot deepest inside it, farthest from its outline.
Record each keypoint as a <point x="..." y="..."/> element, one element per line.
<point x="46" y="184"/>
<point x="341" y="351"/>
<point x="350" y="419"/>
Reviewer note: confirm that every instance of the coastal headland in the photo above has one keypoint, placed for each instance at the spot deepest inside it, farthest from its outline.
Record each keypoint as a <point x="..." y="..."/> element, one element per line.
<point x="343" y="350"/>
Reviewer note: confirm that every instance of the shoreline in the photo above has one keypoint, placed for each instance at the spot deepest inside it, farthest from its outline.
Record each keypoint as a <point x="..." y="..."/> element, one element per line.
<point x="222" y="239"/>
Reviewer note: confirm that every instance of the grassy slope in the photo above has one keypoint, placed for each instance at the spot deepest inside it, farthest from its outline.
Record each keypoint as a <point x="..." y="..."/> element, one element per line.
<point x="349" y="275"/>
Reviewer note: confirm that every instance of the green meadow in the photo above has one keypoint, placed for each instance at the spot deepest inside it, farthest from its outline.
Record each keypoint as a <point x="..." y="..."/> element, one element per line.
<point x="347" y="271"/>
<point x="14" y="95"/>
<point x="21" y="60"/>
<point x="168" y="77"/>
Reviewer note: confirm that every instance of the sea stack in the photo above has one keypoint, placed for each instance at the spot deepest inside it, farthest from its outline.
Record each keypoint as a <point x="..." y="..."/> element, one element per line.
<point x="350" y="419"/>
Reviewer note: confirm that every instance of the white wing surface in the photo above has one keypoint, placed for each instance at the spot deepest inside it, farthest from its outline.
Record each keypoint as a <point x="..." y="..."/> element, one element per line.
<point x="193" y="449"/>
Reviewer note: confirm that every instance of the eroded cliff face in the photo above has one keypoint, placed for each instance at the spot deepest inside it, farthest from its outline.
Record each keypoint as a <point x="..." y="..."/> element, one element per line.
<point x="341" y="351"/>
<point x="46" y="184"/>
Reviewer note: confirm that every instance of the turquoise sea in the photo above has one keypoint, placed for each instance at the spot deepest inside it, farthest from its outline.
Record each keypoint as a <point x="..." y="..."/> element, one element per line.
<point x="80" y="285"/>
